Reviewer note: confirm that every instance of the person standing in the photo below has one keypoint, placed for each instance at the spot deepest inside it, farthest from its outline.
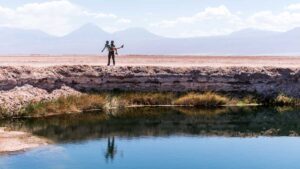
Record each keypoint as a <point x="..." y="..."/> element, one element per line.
<point x="112" y="52"/>
<point x="107" y="46"/>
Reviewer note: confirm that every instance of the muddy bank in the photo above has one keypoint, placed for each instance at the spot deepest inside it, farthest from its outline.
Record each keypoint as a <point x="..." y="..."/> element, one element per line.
<point x="17" y="141"/>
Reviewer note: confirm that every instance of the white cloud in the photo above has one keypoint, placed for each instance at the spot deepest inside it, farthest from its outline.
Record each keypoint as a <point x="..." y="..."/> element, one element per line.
<point x="267" y="20"/>
<point x="210" y="21"/>
<point x="124" y="20"/>
<point x="217" y="13"/>
<point x="220" y="20"/>
<point x="59" y="17"/>
<point x="55" y="17"/>
<point x="293" y="7"/>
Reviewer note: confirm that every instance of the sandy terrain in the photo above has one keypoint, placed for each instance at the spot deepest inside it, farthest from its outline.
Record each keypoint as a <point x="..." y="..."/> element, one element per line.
<point x="175" y="61"/>
<point x="15" y="141"/>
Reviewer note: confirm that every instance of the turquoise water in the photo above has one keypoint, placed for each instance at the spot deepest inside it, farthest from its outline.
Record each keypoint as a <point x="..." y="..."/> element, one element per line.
<point x="174" y="152"/>
<point x="163" y="138"/>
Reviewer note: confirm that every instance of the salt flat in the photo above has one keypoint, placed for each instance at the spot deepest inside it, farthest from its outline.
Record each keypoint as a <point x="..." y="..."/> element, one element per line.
<point x="143" y="60"/>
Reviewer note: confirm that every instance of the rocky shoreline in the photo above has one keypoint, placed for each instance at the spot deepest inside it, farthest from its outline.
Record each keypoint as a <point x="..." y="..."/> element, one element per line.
<point x="12" y="101"/>
<point x="264" y="80"/>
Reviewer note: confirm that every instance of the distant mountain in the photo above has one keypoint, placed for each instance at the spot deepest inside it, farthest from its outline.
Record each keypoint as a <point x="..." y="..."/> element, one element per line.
<point x="87" y="32"/>
<point x="135" y="34"/>
<point x="90" y="39"/>
<point x="252" y="33"/>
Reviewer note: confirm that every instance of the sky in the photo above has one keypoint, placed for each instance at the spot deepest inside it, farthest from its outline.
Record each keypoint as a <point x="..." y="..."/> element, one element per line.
<point x="170" y="18"/>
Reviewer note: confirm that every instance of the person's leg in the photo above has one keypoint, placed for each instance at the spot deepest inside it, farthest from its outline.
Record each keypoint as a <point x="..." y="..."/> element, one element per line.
<point x="113" y="58"/>
<point x="109" y="56"/>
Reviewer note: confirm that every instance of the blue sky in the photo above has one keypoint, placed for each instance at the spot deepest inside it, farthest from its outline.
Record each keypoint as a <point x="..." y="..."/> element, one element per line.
<point x="170" y="18"/>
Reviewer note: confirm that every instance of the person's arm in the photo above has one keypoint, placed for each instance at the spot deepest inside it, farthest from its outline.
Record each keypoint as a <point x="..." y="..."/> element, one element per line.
<point x="119" y="47"/>
<point x="116" y="50"/>
<point x="104" y="48"/>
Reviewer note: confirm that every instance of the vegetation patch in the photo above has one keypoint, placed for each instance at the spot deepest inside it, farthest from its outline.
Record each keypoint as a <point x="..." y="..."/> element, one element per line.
<point x="247" y="100"/>
<point x="63" y="105"/>
<point x="208" y="99"/>
<point x="111" y="103"/>
<point x="283" y="100"/>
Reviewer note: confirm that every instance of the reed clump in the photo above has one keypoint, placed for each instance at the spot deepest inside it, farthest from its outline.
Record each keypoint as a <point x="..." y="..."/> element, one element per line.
<point x="283" y="100"/>
<point x="63" y="105"/>
<point x="245" y="101"/>
<point x="112" y="103"/>
<point x="207" y="99"/>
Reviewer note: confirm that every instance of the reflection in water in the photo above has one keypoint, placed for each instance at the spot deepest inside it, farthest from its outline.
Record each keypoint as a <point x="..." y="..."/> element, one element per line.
<point x="111" y="150"/>
<point x="167" y="153"/>
<point x="136" y="122"/>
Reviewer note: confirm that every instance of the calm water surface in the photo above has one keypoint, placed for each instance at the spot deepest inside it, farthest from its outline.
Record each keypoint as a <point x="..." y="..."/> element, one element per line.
<point x="161" y="139"/>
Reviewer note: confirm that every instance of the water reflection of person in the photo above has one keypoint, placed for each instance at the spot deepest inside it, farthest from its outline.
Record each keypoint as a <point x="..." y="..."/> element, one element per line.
<point x="111" y="149"/>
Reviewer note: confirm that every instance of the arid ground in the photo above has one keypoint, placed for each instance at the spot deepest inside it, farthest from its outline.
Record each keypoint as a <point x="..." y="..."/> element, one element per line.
<point x="134" y="60"/>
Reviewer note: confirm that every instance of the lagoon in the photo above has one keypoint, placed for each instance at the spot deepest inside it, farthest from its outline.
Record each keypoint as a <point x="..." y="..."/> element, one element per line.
<point x="160" y="138"/>
<point x="173" y="152"/>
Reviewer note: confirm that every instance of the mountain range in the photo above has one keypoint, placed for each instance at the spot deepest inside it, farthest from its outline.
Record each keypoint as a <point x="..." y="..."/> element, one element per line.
<point x="90" y="39"/>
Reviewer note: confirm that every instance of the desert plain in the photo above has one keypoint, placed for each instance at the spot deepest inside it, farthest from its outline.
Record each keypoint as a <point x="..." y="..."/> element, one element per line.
<point x="152" y="60"/>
